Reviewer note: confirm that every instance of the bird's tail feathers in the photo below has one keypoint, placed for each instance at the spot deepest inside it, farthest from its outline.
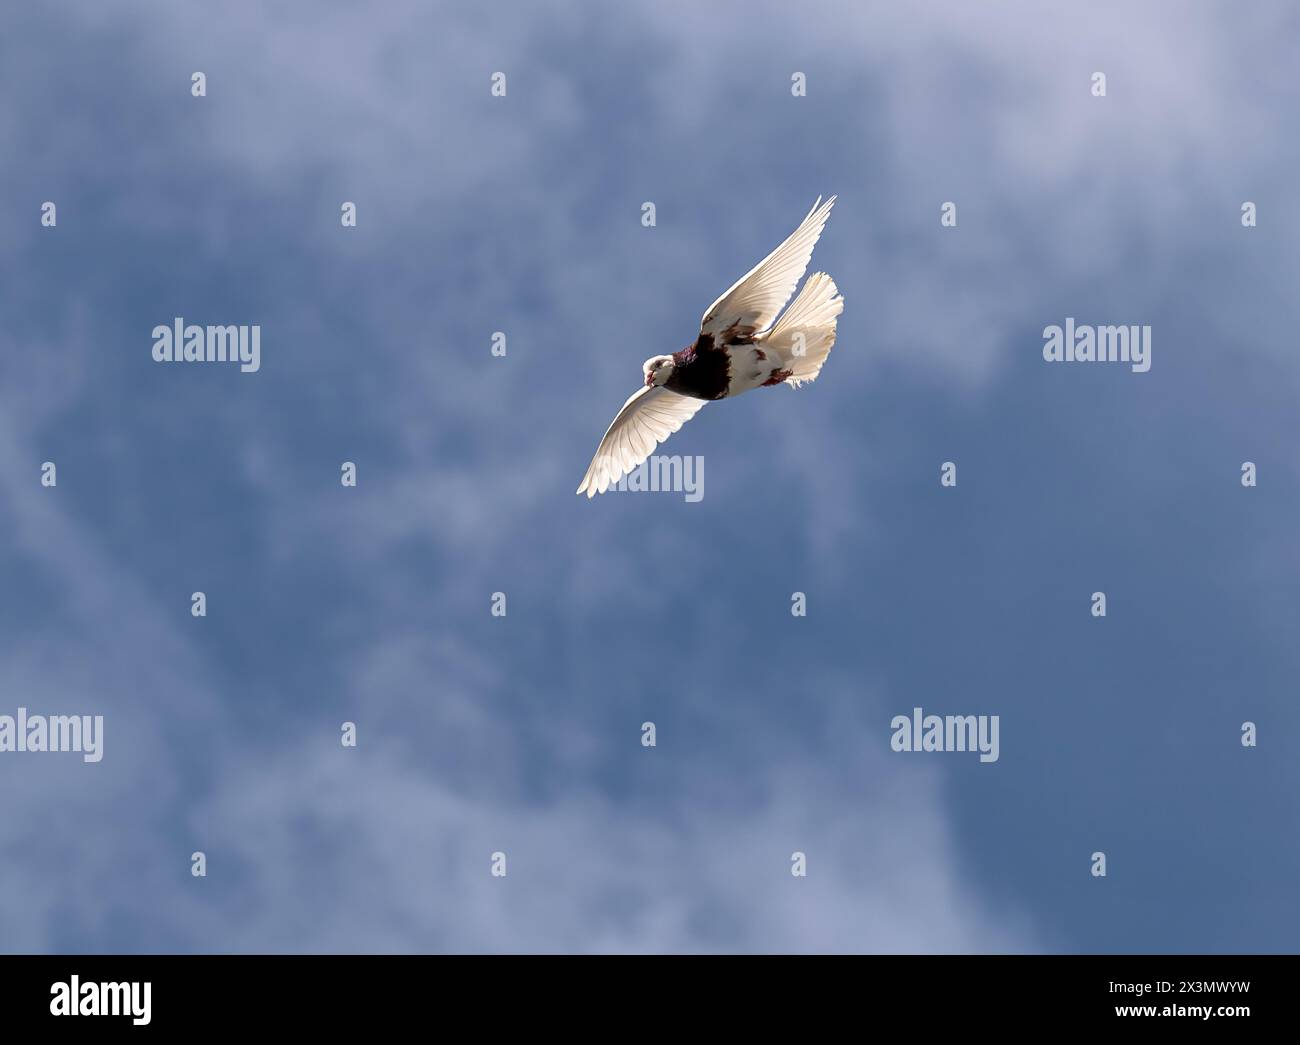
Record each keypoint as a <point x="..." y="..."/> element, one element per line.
<point x="805" y="332"/>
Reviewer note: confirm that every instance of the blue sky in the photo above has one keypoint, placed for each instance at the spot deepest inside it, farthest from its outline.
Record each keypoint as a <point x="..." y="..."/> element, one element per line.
<point x="522" y="214"/>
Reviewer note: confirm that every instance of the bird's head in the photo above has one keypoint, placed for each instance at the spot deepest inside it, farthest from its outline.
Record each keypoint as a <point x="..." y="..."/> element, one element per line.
<point x="657" y="369"/>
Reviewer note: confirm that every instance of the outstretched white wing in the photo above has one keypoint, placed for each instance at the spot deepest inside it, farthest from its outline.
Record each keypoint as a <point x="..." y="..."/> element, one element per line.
<point x="649" y="416"/>
<point x="751" y="305"/>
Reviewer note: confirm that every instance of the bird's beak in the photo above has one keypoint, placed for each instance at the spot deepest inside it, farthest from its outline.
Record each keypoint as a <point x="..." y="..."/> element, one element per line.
<point x="650" y="380"/>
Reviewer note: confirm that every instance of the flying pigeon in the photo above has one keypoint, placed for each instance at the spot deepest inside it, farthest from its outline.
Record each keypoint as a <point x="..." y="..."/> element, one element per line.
<point x="742" y="345"/>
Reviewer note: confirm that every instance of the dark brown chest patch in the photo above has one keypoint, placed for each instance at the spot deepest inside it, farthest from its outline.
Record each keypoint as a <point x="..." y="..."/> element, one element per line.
<point x="701" y="371"/>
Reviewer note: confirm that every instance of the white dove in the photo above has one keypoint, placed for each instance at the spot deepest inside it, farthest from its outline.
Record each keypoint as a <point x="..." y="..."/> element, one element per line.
<point x="742" y="345"/>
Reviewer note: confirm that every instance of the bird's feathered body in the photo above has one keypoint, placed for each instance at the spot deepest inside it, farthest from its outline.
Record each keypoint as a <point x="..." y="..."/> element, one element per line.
<point x="742" y="345"/>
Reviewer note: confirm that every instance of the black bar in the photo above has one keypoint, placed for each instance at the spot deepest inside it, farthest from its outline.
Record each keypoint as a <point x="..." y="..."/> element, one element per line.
<point x="346" y="994"/>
